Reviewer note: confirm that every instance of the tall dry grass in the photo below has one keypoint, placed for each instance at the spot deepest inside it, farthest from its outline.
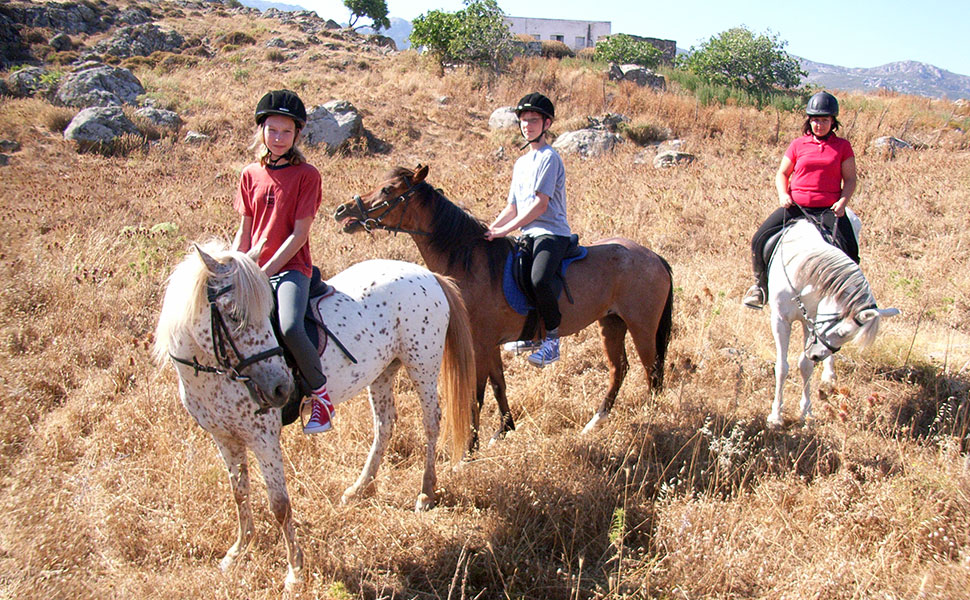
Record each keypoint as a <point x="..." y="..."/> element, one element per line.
<point x="110" y="490"/>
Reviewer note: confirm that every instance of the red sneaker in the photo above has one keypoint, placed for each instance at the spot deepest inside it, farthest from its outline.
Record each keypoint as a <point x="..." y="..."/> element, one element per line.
<point x="321" y="413"/>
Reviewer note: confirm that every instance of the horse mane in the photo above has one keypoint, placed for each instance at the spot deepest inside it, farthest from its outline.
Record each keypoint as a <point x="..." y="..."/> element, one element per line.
<point x="186" y="294"/>
<point x="455" y="232"/>
<point x="834" y="274"/>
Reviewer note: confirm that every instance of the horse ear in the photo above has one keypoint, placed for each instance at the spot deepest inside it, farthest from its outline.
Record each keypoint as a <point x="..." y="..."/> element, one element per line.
<point x="888" y="312"/>
<point x="256" y="250"/>
<point x="214" y="266"/>
<point x="420" y="173"/>
<point x="864" y="316"/>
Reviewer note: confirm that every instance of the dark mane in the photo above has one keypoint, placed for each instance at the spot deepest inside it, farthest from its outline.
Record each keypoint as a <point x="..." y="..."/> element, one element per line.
<point x="455" y="232"/>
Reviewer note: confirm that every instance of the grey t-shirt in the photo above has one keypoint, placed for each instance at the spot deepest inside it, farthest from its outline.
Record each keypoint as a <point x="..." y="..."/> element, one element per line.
<point x="541" y="171"/>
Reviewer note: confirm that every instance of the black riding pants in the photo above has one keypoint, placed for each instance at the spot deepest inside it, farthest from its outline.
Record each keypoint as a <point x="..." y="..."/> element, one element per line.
<point x="547" y="252"/>
<point x="844" y="236"/>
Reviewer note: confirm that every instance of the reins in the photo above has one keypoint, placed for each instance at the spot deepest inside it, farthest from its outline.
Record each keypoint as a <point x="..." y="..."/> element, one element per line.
<point x="221" y="337"/>
<point x="370" y="223"/>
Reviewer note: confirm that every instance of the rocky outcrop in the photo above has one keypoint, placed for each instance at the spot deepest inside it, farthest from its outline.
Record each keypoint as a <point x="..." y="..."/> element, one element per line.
<point x="140" y="40"/>
<point x="99" y="125"/>
<point x="64" y="17"/>
<point x="641" y="76"/>
<point x="27" y="82"/>
<point x="99" y="85"/>
<point x="503" y="118"/>
<point x="159" y="117"/>
<point x="333" y="124"/>
<point x="586" y="142"/>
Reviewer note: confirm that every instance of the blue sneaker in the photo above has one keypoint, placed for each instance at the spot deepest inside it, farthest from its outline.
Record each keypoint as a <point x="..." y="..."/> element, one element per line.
<point x="547" y="353"/>
<point x="522" y="346"/>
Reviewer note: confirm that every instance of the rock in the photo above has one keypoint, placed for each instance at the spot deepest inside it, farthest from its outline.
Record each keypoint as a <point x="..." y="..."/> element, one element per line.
<point x="140" y="40"/>
<point x="61" y="42"/>
<point x="195" y="138"/>
<point x="26" y="82"/>
<point x="641" y="76"/>
<point x="4" y="160"/>
<point x="586" y="142"/>
<point x="333" y="124"/>
<point x="159" y="117"/>
<point x="276" y="43"/>
<point x="99" y="85"/>
<point x="672" y="158"/>
<point x="607" y="122"/>
<point x="9" y="146"/>
<point x="99" y="125"/>
<point x="891" y="142"/>
<point x="503" y="118"/>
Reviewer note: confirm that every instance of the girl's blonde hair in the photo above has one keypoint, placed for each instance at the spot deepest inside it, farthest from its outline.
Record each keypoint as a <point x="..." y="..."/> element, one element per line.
<point x="294" y="156"/>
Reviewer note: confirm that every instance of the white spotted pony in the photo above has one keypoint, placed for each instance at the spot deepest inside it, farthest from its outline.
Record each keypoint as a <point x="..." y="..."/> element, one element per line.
<point x="215" y="327"/>
<point x="817" y="284"/>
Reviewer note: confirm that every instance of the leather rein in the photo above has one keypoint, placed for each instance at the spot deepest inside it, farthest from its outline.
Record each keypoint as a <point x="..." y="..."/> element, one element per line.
<point x="221" y="338"/>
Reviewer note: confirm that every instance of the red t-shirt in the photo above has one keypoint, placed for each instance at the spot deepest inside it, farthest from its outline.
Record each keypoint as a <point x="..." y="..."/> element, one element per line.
<point x="816" y="180"/>
<point x="276" y="198"/>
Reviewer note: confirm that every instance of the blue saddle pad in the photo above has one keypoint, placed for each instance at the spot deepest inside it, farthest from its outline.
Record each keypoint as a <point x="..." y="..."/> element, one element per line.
<point x="514" y="294"/>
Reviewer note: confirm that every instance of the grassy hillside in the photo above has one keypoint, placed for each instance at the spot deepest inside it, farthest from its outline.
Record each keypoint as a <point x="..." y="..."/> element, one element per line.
<point x="108" y="488"/>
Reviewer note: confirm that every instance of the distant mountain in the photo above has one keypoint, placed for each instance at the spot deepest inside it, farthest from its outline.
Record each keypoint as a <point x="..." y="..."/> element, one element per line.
<point x="907" y="77"/>
<point x="262" y="5"/>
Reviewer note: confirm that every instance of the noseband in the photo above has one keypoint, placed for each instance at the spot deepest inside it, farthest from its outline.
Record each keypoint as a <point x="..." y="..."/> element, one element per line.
<point x="221" y="337"/>
<point x="369" y="223"/>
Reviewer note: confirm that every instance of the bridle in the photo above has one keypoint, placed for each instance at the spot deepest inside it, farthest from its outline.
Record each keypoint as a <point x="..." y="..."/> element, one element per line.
<point x="816" y="336"/>
<point x="221" y="338"/>
<point x="369" y="223"/>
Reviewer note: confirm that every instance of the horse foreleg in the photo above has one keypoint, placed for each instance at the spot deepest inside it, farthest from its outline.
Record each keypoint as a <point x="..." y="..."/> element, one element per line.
<point x="613" y="332"/>
<point x="782" y="332"/>
<point x="270" y="459"/>
<point x="806" y="366"/>
<point x="493" y="367"/>
<point x="828" y="372"/>
<point x="380" y="393"/>
<point x="234" y="455"/>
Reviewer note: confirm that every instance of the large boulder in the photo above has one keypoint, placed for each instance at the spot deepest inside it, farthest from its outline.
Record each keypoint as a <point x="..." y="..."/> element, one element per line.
<point x="99" y="125"/>
<point x="159" y="117"/>
<point x="333" y="124"/>
<point x="140" y="40"/>
<point x="26" y="82"/>
<point x="586" y="142"/>
<point x="99" y="85"/>
<point x="503" y="118"/>
<point x="12" y="46"/>
<point x="641" y="76"/>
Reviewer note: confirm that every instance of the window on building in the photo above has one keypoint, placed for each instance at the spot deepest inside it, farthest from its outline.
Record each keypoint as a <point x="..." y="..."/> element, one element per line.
<point x="558" y="38"/>
<point x="580" y="42"/>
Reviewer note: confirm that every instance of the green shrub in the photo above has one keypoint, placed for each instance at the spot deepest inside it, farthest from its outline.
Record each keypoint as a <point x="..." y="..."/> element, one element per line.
<point x="275" y="55"/>
<point x="237" y="38"/>
<point x="627" y="50"/>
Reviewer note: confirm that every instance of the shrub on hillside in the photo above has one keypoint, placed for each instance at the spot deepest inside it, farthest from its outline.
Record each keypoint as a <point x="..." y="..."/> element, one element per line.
<point x="65" y="57"/>
<point x="627" y="50"/>
<point x="237" y="38"/>
<point x="275" y="55"/>
<point x="586" y="53"/>
<point x="643" y="133"/>
<point x="556" y="49"/>
<point x="169" y="62"/>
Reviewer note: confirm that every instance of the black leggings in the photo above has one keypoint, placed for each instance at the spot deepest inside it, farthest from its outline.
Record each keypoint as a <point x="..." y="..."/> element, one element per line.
<point x="547" y="253"/>
<point x="844" y="236"/>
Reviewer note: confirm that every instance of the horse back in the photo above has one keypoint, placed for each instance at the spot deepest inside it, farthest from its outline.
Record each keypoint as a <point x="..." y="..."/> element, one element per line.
<point x="618" y="269"/>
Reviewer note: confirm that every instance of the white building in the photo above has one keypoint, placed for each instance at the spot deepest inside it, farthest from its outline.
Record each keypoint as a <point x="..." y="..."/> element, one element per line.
<point x="575" y="34"/>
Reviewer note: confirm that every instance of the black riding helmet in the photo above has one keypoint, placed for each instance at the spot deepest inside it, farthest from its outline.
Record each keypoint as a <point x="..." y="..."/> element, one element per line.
<point x="535" y="102"/>
<point x="281" y="102"/>
<point x="822" y="104"/>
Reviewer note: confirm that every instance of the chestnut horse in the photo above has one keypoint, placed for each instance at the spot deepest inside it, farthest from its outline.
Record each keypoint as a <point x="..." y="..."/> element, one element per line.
<point x="621" y="284"/>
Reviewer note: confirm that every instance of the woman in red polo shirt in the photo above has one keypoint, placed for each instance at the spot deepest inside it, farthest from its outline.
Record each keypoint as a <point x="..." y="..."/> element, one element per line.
<point x="816" y="174"/>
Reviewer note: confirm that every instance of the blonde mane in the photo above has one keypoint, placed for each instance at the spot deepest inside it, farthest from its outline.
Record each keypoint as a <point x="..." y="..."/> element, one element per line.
<point x="186" y="294"/>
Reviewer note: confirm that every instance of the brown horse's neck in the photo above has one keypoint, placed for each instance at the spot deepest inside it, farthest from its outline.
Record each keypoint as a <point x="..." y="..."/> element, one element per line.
<point x="436" y="261"/>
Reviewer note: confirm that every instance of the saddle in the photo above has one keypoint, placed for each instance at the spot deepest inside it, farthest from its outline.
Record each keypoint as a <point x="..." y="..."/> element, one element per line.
<point x="517" y="281"/>
<point x="314" y="324"/>
<point x="825" y="226"/>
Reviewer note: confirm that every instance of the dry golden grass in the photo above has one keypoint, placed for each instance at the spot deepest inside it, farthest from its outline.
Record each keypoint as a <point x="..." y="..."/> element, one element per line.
<point x="110" y="490"/>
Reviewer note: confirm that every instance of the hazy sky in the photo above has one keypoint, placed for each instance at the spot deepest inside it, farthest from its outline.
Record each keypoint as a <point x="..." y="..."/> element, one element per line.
<point x="848" y="33"/>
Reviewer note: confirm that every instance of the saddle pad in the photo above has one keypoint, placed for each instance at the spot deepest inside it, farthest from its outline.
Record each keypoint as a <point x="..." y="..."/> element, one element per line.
<point x="514" y="294"/>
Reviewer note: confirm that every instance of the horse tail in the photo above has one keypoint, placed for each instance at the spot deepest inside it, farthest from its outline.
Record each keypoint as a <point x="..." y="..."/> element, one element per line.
<point x="458" y="370"/>
<point x="663" y="332"/>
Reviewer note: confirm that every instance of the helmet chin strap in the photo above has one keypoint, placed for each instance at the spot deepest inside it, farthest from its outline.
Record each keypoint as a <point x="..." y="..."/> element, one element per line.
<point x="529" y="142"/>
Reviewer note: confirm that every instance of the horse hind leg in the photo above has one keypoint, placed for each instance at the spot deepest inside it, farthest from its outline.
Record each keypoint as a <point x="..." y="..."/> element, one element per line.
<point x="234" y="455"/>
<point x="381" y="395"/>
<point x="613" y="332"/>
<point x="428" y="393"/>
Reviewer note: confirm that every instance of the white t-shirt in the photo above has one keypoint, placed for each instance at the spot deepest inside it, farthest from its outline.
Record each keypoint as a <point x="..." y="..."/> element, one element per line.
<point x="541" y="170"/>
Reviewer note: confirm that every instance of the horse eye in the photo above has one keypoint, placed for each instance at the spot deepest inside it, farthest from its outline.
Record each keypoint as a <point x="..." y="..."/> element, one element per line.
<point x="386" y="190"/>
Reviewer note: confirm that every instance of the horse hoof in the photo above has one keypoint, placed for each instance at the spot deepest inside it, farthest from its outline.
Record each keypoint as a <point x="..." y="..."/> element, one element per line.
<point x="598" y="420"/>
<point x="294" y="581"/>
<point x="775" y="422"/>
<point x="423" y="503"/>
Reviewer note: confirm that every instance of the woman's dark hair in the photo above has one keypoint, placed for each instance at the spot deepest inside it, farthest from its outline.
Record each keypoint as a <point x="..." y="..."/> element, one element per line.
<point x="807" y="126"/>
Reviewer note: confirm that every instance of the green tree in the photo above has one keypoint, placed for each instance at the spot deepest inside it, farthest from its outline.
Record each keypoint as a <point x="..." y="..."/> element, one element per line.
<point x="375" y="10"/>
<point x="476" y="35"/>
<point x="739" y="58"/>
<point x="627" y="50"/>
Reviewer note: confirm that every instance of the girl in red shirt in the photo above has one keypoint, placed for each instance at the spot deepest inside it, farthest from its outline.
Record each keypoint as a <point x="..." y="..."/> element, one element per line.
<point x="277" y="199"/>
<point x="816" y="174"/>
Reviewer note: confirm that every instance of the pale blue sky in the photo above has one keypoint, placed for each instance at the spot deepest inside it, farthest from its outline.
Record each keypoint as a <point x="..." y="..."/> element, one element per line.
<point x="849" y="33"/>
